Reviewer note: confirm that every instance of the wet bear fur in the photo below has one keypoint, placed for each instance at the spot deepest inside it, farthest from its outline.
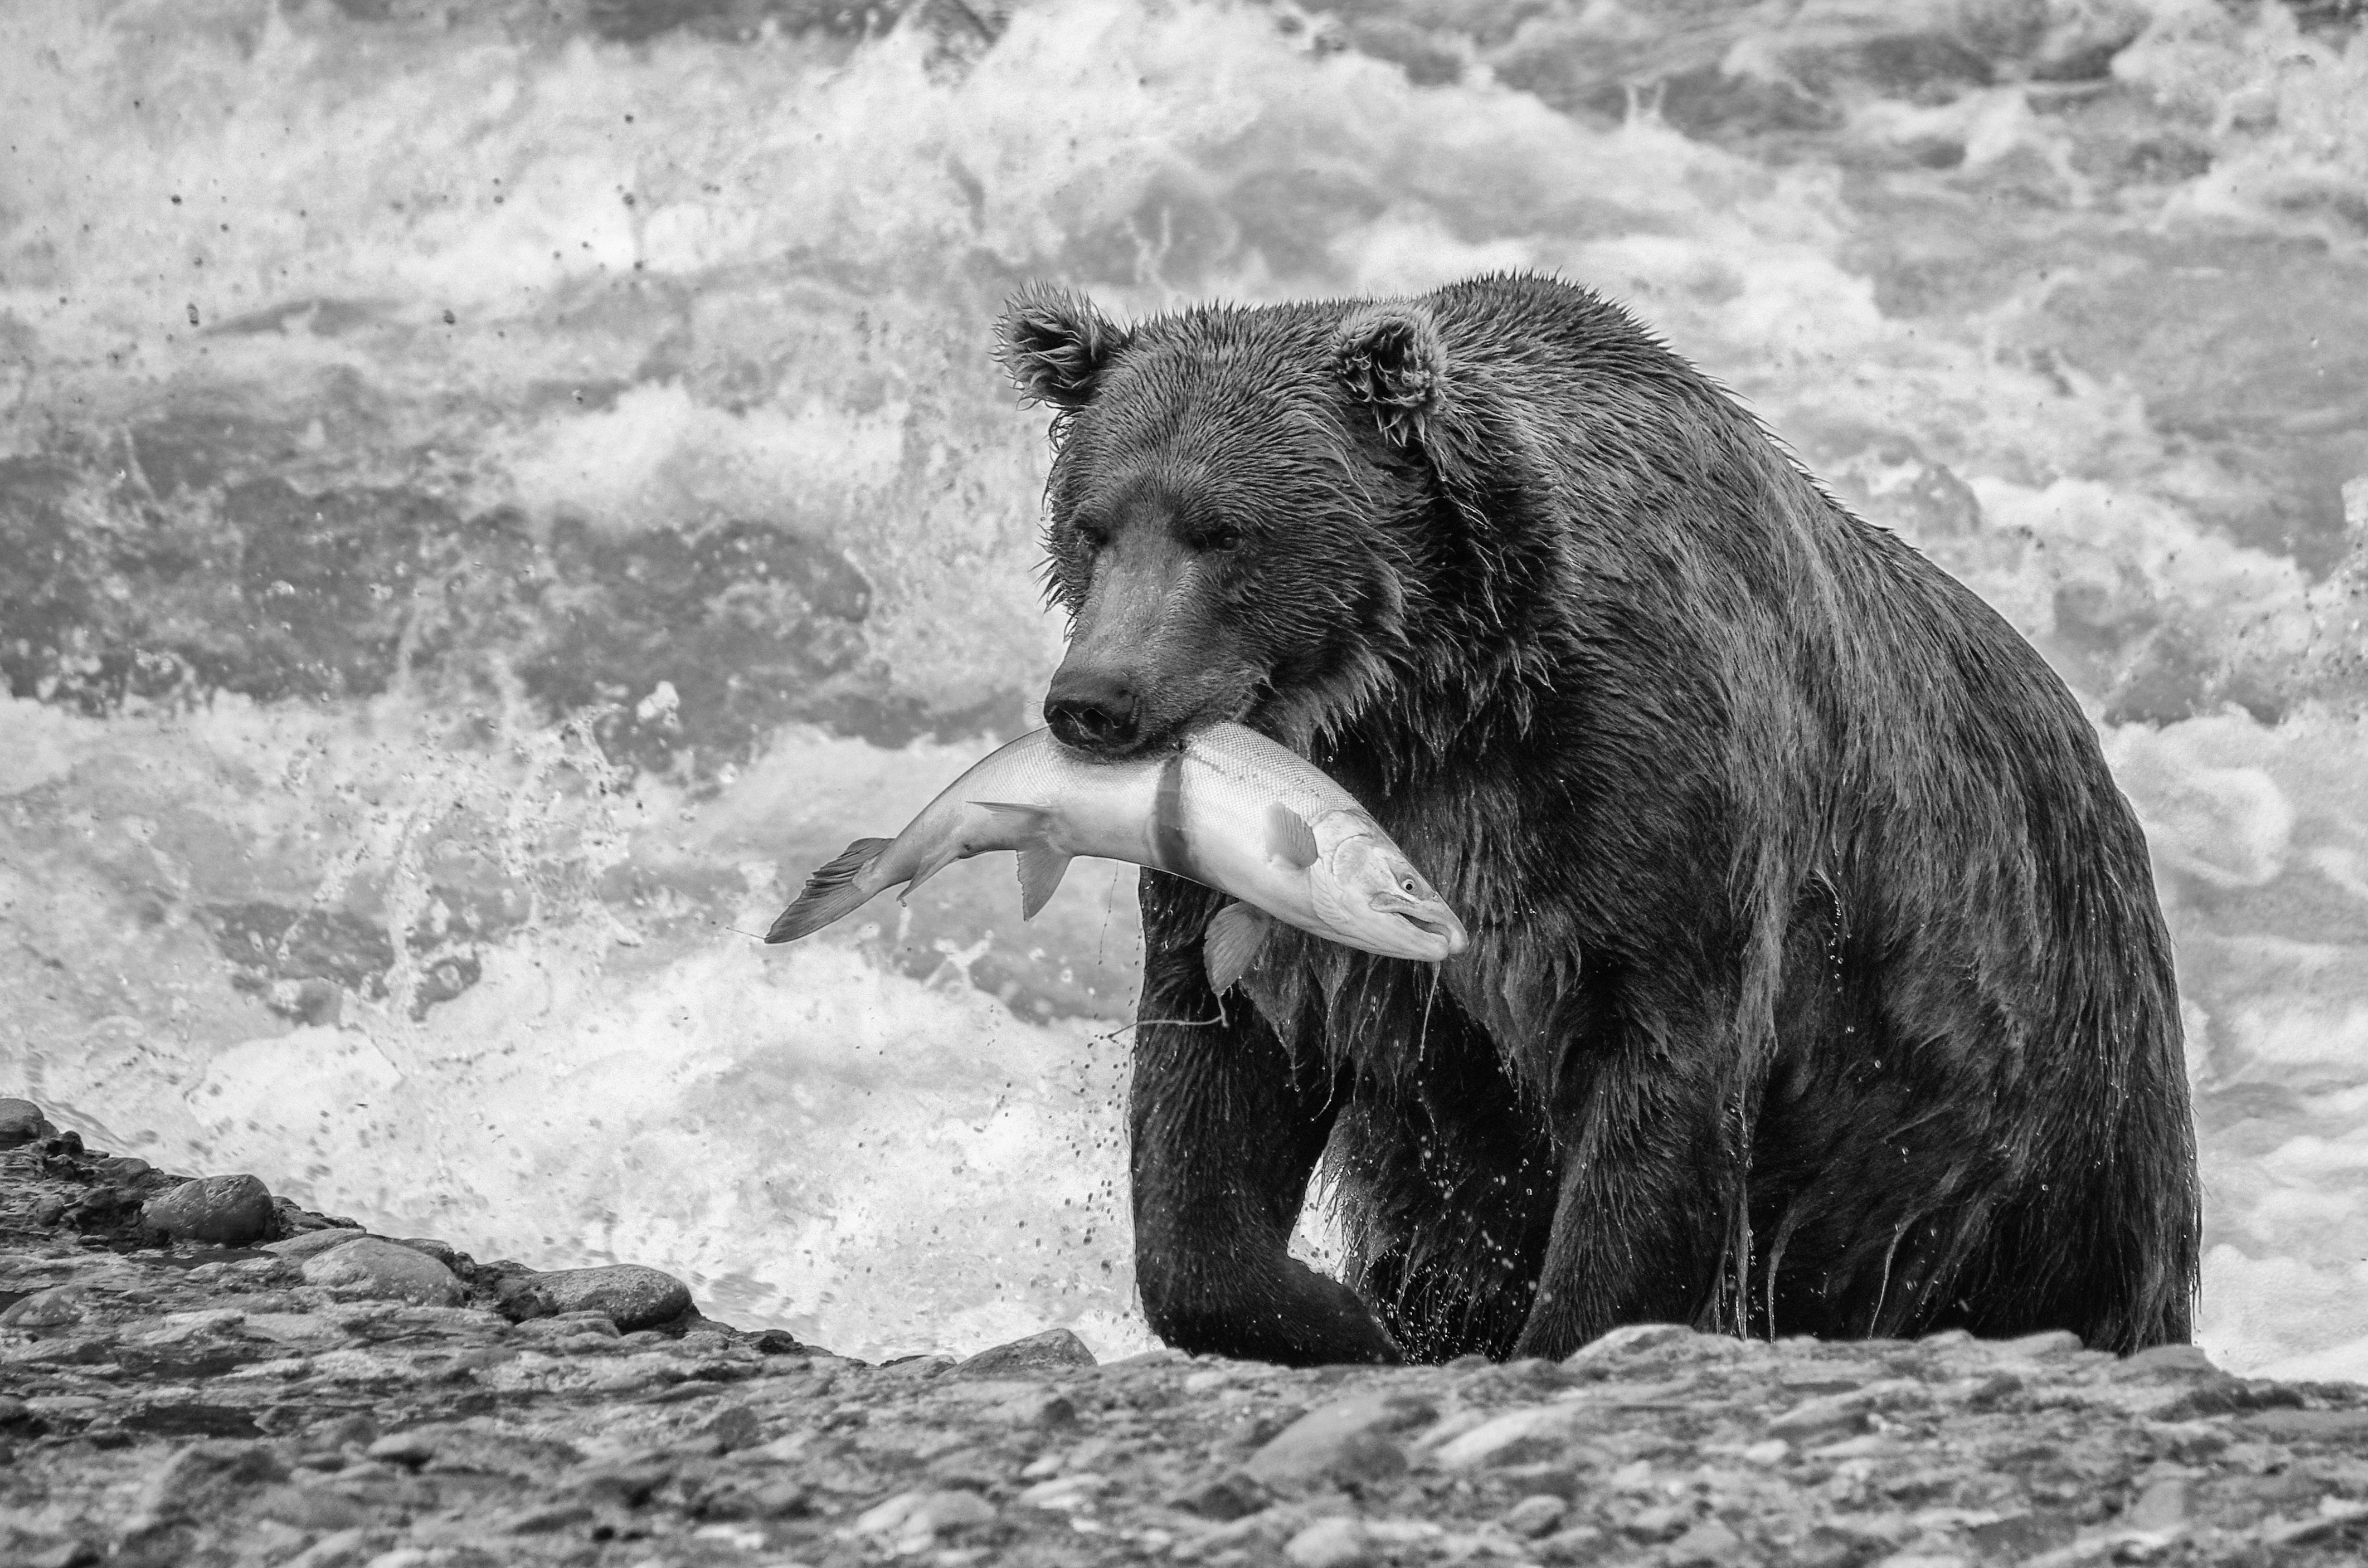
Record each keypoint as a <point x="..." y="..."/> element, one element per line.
<point x="1818" y="981"/>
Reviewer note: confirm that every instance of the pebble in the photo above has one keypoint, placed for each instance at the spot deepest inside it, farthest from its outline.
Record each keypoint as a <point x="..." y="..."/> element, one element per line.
<point x="628" y="1294"/>
<point x="1224" y="1499"/>
<point x="442" y="1252"/>
<point x="1629" y="1339"/>
<point x="1051" y="1350"/>
<point x="402" y="1447"/>
<point x="305" y="1246"/>
<point x="384" y="1270"/>
<point x="1536" y="1513"/>
<point x="734" y="1427"/>
<point x="53" y="1308"/>
<point x="1346" y="1440"/>
<point x="21" y="1121"/>
<point x="1330" y="1543"/>
<point x="1517" y="1436"/>
<point x="913" y="1519"/>
<point x="2162" y="1504"/>
<point x="229" y="1211"/>
<point x="203" y="1473"/>
<point x="1066" y="1491"/>
<point x="1709" y="1544"/>
<point x="691" y="1444"/>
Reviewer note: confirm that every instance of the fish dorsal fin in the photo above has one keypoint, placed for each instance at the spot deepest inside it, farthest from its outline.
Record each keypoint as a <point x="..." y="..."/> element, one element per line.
<point x="1288" y="837"/>
<point x="1028" y="829"/>
<point x="1232" y="944"/>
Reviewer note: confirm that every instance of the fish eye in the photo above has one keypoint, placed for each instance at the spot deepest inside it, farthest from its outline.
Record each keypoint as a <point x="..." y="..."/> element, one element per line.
<point x="1411" y="886"/>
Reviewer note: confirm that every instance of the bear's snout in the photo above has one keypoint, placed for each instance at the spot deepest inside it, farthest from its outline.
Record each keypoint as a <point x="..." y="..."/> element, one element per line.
<point x="1092" y="711"/>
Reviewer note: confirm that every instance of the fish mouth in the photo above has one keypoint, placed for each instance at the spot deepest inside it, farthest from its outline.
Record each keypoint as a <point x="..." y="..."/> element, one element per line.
<point x="1437" y="926"/>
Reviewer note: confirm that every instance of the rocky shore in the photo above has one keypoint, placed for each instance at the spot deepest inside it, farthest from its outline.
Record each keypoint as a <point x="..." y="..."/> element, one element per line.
<point x="194" y="1371"/>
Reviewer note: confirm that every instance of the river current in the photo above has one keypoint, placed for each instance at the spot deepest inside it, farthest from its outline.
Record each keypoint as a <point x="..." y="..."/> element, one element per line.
<point x="490" y="496"/>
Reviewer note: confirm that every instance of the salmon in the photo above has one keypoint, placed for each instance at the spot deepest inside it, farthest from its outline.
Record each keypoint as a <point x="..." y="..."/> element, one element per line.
<point x="1229" y="809"/>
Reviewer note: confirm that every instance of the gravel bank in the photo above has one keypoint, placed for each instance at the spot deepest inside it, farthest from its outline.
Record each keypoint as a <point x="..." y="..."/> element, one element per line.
<point x="201" y="1373"/>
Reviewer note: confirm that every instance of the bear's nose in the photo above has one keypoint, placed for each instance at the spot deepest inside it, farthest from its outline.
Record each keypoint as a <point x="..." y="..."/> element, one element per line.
<point x="1091" y="712"/>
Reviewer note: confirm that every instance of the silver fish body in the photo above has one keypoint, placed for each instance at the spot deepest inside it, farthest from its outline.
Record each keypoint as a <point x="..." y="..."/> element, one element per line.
<point x="1229" y="808"/>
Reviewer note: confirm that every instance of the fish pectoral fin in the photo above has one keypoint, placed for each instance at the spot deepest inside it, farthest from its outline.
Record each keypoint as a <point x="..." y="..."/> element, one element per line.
<point x="1040" y="870"/>
<point x="1028" y="829"/>
<point x="1288" y="837"/>
<point x="1232" y="944"/>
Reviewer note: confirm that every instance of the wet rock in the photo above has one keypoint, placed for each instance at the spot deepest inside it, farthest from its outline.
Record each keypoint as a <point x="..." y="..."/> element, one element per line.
<point x="1521" y="1435"/>
<point x="913" y="1519"/>
<point x="203" y="1474"/>
<point x="311" y="1508"/>
<point x="21" y="1121"/>
<point x="1629" y="1339"/>
<point x="2162" y="1506"/>
<point x="1349" y="1439"/>
<point x="290" y="1219"/>
<point x="230" y="1210"/>
<point x="2164" y="1361"/>
<point x="546" y="1519"/>
<point x="414" y="1449"/>
<point x="1051" y="1350"/>
<point x="2308" y="1425"/>
<point x="383" y="1270"/>
<point x="734" y="1427"/>
<point x="627" y="1294"/>
<point x="1331" y="1543"/>
<point x="442" y="1252"/>
<point x="2019" y="1536"/>
<point x="299" y="1248"/>
<point x="1063" y="1493"/>
<point x="1709" y="1544"/>
<point x="339" y="1430"/>
<point x="345" y="1549"/>
<point x="53" y="1308"/>
<point x="624" y="1485"/>
<point x="1224" y="1499"/>
<point x="1535" y="1514"/>
<point x="2044" y="1346"/>
<point x="67" y="1554"/>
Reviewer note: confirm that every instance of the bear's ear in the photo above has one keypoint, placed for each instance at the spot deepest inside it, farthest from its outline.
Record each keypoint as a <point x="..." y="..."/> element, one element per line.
<point x="1390" y="356"/>
<point x="1054" y="344"/>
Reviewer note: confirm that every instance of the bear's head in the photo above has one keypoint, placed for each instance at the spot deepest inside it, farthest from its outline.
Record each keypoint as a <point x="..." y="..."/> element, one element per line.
<point x="1233" y="518"/>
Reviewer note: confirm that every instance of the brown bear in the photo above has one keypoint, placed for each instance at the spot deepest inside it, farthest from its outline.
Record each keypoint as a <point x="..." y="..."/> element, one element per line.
<point x="1817" y="983"/>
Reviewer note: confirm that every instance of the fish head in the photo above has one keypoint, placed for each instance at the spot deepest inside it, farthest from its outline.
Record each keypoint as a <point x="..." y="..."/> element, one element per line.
<point x="1372" y="896"/>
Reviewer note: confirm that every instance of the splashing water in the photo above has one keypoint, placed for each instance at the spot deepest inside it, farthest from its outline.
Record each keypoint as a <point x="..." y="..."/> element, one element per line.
<point x="485" y="504"/>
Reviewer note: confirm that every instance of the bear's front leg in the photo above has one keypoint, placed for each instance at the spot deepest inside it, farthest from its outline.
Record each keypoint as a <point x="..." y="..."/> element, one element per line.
<point x="1644" y="1208"/>
<point x="1227" y="1131"/>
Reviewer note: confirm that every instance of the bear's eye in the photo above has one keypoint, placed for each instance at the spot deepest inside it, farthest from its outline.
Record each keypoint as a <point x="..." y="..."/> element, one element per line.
<point x="1216" y="537"/>
<point x="1090" y="536"/>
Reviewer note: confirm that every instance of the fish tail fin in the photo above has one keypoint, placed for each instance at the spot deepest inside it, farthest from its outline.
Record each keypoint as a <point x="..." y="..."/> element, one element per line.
<point x="1232" y="944"/>
<point x="832" y="893"/>
<point x="1042" y="866"/>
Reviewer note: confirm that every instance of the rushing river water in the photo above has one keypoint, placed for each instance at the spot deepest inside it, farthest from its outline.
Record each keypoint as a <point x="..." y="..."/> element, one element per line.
<point x="487" y="505"/>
